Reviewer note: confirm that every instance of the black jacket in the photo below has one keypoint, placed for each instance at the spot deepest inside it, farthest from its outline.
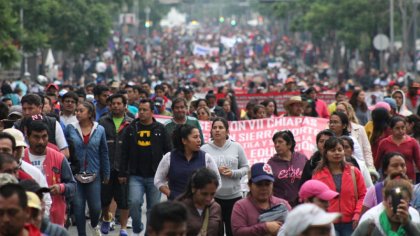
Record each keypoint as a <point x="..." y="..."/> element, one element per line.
<point x="114" y="139"/>
<point x="310" y="167"/>
<point x="161" y="144"/>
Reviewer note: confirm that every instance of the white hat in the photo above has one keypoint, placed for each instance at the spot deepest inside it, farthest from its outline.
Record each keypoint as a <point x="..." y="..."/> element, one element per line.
<point x="18" y="135"/>
<point x="306" y="215"/>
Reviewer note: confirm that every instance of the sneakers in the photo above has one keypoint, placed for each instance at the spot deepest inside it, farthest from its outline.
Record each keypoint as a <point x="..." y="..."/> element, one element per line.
<point x="96" y="231"/>
<point x="105" y="226"/>
<point x="129" y="223"/>
<point x="123" y="232"/>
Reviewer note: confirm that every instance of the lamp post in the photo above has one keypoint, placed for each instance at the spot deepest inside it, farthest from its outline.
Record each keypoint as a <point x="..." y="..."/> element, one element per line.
<point x="147" y="12"/>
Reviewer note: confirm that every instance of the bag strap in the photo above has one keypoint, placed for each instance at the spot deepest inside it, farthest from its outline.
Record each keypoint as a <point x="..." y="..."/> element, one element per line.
<point x="203" y="231"/>
<point x="353" y="177"/>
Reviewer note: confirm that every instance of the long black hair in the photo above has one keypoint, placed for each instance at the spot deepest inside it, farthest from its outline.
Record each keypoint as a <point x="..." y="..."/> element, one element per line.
<point x="353" y="101"/>
<point x="199" y="180"/>
<point x="330" y="144"/>
<point x="181" y="132"/>
<point x="380" y="119"/>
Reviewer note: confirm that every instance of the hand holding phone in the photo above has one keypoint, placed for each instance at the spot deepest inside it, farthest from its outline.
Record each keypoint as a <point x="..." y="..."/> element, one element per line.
<point x="396" y="199"/>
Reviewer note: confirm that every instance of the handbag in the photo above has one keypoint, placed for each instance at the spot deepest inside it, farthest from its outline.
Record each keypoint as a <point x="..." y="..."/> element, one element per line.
<point x="276" y="213"/>
<point x="203" y="230"/>
<point x="85" y="178"/>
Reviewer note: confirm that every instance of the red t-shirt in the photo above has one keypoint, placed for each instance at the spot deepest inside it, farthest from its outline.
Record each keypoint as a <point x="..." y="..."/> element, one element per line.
<point x="86" y="139"/>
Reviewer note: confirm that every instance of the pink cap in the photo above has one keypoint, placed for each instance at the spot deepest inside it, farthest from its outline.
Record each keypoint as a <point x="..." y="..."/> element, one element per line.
<point x="316" y="188"/>
<point x="381" y="105"/>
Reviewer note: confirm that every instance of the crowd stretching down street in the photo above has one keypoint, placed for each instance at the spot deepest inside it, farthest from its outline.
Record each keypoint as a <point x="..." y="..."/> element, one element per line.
<point x="217" y="131"/>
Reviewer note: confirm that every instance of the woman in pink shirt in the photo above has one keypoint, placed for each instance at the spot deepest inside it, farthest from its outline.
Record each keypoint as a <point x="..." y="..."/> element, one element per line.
<point x="400" y="142"/>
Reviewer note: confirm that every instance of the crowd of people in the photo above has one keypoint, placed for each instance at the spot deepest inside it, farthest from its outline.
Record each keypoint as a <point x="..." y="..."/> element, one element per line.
<point x="97" y="149"/>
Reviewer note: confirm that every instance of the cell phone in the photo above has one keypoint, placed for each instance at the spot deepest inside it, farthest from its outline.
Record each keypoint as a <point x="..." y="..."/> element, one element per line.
<point x="396" y="199"/>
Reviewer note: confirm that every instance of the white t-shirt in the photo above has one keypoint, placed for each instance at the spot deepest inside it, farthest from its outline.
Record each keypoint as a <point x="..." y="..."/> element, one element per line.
<point x="36" y="174"/>
<point x="37" y="161"/>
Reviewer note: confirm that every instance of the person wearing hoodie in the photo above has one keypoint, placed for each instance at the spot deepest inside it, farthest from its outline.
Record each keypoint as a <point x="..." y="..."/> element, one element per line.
<point x="232" y="164"/>
<point x="399" y="97"/>
<point x="287" y="167"/>
<point x="91" y="150"/>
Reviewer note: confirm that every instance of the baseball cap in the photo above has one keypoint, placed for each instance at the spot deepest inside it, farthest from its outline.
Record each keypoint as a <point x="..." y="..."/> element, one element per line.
<point x="52" y="85"/>
<point x="305" y="215"/>
<point x="381" y="105"/>
<point x="18" y="135"/>
<point x="32" y="186"/>
<point x="33" y="201"/>
<point x="159" y="101"/>
<point x="6" y="178"/>
<point x="316" y="188"/>
<point x="392" y="103"/>
<point x="15" y="110"/>
<point x="260" y="172"/>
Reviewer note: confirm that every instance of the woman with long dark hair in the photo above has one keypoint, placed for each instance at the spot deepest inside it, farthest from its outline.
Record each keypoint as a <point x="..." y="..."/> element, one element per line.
<point x="89" y="140"/>
<point x="400" y="142"/>
<point x="345" y="179"/>
<point x="205" y="215"/>
<point x="358" y="102"/>
<point x="177" y="166"/>
<point x="233" y="165"/>
<point x="271" y="107"/>
<point x="381" y="130"/>
<point x="287" y="167"/>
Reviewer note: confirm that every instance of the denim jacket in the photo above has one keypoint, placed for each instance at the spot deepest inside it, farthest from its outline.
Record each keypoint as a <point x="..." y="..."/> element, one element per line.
<point x="92" y="157"/>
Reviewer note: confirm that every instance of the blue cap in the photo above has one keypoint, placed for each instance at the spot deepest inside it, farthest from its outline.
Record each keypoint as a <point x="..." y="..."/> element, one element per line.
<point x="260" y="172"/>
<point x="392" y="103"/>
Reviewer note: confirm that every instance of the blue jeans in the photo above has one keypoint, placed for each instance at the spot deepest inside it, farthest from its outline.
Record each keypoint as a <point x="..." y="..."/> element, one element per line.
<point x="343" y="229"/>
<point x="91" y="193"/>
<point x="137" y="187"/>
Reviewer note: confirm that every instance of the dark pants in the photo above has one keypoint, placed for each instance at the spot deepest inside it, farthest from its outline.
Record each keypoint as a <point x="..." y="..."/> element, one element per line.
<point x="227" y="206"/>
<point x="343" y="229"/>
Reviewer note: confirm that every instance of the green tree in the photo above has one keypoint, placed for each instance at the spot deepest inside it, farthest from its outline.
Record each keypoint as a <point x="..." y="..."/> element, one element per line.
<point x="8" y="33"/>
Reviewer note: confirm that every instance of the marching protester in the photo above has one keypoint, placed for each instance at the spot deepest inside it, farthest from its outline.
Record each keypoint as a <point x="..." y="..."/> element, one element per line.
<point x="144" y="143"/>
<point x="232" y="164"/>
<point x="287" y="166"/>
<point x="398" y="141"/>
<point x="115" y="124"/>
<point x="177" y="166"/>
<point x="205" y="215"/>
<point x="393" y="165"/>
<point x="358" y="102"/>
<point x="54" y="166"/>
<point x="339" y="123"/>
<point x="246" y="213"/>
<point x="312" y="163"/>
<point x="394" y="216"/>
<point x="179" y="109"/>
<point x="344" y="179"/>
<point x="89" y="140"/>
